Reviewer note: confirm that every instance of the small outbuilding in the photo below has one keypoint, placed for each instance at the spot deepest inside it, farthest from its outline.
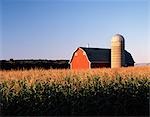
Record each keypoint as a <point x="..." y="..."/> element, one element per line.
<point x="86" y="58"/>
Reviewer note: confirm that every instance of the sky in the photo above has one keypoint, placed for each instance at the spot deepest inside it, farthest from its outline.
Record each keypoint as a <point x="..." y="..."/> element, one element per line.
<point x="54" y="29"/>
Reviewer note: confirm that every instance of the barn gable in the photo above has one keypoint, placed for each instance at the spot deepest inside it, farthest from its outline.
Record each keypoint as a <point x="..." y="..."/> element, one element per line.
<point x="80" y="60"/>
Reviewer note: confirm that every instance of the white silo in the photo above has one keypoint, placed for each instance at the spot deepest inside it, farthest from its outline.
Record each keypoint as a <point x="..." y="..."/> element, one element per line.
<point x="117" y="51"/>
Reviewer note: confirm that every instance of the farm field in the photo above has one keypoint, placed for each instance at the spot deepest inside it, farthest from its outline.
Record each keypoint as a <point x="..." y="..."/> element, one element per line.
<point x="121" y="91"/>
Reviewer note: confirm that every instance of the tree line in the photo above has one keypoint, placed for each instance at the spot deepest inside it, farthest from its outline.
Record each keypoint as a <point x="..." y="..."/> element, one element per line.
<point x="32" y="64"/>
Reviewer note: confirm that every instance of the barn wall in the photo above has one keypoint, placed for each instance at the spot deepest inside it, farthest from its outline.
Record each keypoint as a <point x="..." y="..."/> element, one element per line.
<point x="100" y="65"/>
<point x="80" y="60"/>
<point x="130" y="64"/>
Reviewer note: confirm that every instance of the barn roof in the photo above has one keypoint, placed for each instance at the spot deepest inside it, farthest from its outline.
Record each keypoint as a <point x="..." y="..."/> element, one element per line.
<point x="128" y="58"/>
<point x="98" y="55"/>
<point x="103" y="55"/>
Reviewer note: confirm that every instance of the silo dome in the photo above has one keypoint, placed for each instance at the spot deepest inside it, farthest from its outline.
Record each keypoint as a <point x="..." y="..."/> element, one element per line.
<point x="118" y="38"/>
<point x="117" y="51"/>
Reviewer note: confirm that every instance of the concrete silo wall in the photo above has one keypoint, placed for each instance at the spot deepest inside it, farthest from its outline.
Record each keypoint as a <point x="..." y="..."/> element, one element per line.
<point x="117" y="49"/>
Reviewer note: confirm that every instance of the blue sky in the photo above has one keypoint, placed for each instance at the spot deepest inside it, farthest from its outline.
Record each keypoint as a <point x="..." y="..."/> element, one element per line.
<point x="53" y="29"/>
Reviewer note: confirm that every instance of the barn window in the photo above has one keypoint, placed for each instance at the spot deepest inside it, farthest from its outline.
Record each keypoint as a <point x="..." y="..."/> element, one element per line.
<point x="76" y="54"/>
<point x="84" y="53"/>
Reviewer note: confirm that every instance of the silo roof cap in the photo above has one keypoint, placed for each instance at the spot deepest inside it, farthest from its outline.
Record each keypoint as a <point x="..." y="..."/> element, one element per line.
<point x="118" y="38"/>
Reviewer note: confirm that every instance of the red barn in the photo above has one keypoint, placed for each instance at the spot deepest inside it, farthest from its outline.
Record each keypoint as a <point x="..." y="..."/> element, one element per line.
<point x="85" y="58"/>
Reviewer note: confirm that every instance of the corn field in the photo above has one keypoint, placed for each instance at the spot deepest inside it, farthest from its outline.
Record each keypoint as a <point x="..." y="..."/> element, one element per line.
<point x="121" y="91"/>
